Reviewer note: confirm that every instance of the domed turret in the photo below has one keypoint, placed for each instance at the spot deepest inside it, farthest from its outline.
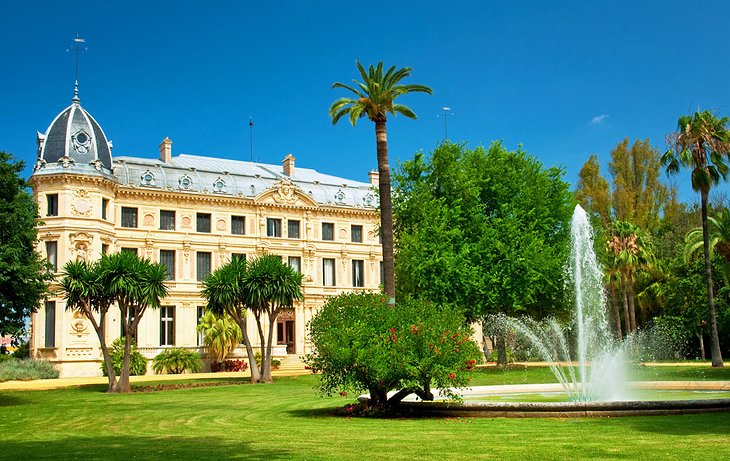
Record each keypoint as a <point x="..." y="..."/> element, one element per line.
<point x="74" y="142"/>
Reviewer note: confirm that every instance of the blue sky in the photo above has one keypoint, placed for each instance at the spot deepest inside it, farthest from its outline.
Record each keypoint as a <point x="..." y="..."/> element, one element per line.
<point x="563" y="78"/>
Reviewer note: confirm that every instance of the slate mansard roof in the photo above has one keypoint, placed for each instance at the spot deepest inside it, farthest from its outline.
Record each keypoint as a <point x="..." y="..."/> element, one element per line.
<point x="208" y="175"/>
<point x="75" y="143"/>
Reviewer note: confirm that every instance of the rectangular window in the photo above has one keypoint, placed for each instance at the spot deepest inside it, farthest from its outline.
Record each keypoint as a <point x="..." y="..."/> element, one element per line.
<point x="129" y="250"/>
<point x="167" y="220"/>
<point x="203" y="222"/>
<point x="273" y="227"/>
<point x="104" y="248"/>
<point x="238" y="256"/>
<point x="382" y="273"/>
<point x="52" y="201"/>
<point x="328" y="272"/>
<point x="129" y="217"/>
<point x="358" y="273"/>
<point x="295" y="262"/>
<point x="238" y="225"/>
<point x="203" y="262"/>
<point x="104" y="206"/>
<point x="356" y="232"/>
<point x="52" y="254"/>
<point x="132" y="313"/>
<point x="201" y="313"/>
<point x="292" y="230"/>
<point x="167" y="259"/>
<point x="328" y="231"/>
<point x="167" y="325"/>
<point x="50" y="324"/>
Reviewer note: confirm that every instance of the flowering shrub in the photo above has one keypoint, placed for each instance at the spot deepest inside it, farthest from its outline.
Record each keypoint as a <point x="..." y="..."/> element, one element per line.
<point x="229" y="365"/>
<point x="362" y="344"/>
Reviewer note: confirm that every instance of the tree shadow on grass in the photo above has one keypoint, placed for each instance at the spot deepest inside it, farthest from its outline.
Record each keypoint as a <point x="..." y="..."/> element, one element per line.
<point x="124" y="447"/>
<point x="691" y="424"/>
<point x="313" y="412"/>
<point x="11" y="400"/>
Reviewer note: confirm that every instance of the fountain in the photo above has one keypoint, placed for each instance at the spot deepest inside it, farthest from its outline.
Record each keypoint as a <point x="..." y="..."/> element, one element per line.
<point x="595" y="382"/>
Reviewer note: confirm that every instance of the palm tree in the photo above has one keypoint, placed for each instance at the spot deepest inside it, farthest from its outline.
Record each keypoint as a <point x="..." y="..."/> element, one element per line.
<point x="632" y="251"/>
<point x="719" y="233"/>
<point x="135" y="284"/>
<point x="702" y="144"/>
<point x="223" y="289"/>
<point x="270" y="286"/>
<point x="220" y="335"/>
<point x="84" y="293"/>
<point x="613" y="276"/>
<point x="375" y="98"/>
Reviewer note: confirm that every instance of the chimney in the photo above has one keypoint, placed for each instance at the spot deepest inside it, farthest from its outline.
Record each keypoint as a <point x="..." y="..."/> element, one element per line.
<point x="166" y="150"/>
<point x="288" y="165"/>
<point x="374" y="178"/>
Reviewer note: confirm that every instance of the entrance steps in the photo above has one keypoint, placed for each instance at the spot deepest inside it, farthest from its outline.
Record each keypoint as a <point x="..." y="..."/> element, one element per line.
<point x="291" y="362"/>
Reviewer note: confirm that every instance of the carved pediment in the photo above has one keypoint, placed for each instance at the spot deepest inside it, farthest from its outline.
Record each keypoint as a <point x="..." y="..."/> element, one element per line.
<point x="285" y="192"/>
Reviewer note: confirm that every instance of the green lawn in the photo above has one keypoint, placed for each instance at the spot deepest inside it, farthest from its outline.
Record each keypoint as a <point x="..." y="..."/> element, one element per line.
<point x="288" y="420"/>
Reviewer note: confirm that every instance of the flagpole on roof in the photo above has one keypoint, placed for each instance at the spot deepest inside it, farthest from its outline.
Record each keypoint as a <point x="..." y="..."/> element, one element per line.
<point x="250" y="136"/>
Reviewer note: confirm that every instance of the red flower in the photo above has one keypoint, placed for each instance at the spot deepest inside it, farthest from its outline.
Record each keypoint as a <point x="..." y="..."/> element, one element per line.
<point x="392" y="329"/>
<point x="452" y="376"/>
<point x="343" y="394"/>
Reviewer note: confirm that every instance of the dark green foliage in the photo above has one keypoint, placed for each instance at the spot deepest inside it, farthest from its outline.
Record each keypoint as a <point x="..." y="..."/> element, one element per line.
<point x="24" y="274"/>
<point x="137" y="363"/>
<point x="23" y="351"/>
<point x="362" y="344"/>
<point x="176" y="361"/>
<point x="486" y="230"/>
<point x="26" y="370"/>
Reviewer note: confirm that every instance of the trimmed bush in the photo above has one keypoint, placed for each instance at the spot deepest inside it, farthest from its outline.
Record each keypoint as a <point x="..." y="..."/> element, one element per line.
<point x="177" y="361"/>
<point x="26" y="370"/>
<point x="275" y="363"/>
<point x="137" y="362"/>
<point x="23" y="351"/>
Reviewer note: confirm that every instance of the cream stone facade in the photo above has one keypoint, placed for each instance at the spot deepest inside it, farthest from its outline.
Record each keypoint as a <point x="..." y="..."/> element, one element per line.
<point x="192" y="214"/>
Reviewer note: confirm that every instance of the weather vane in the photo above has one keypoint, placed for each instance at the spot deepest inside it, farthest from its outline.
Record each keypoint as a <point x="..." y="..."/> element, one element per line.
<point x="79" y="45"/>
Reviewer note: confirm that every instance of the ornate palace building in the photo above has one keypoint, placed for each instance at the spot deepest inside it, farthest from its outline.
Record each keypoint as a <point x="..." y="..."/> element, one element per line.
<point x="192" y="214"/>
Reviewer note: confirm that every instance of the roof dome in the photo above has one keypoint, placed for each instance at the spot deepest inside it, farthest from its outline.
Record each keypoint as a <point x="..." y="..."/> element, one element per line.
<point x="74" y="142"/>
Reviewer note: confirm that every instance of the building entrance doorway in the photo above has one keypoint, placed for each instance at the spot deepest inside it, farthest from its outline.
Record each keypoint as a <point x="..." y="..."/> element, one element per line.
<point x="285" y="331"/>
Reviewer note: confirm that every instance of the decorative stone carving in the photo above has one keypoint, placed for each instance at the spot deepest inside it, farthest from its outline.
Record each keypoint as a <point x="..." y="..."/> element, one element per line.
<point x="81" y="205"/>
<point x="148" y="220"/>
<point x="79" y="325"/>
<point x="221" y="225"/>
<point x="186" y="222"/>
<point x="285" y="192"/>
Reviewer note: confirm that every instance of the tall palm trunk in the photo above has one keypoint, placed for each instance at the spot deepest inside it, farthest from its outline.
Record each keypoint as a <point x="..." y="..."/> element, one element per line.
<point x="386" y="210"/>
<point x="616" y="313"/>
<point x="714" y="338"/>
<point x="632" y="308"/>
<point x="99" y="328"/>
<point x="266" y="358"/>
<point x="627" y="317"/>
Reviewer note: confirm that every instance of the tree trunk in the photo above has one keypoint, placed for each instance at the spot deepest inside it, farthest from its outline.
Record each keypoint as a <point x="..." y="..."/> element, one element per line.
<point x="616" y="312"/>
<point x="123" y="386"/>
<point x="386" y="210"/>
<point x="501" y="349"/>
<point x="630" y="280"/>
<point x="266" y="358"/>
<point x="627" y="317"/>
<point x="701" y="338"/>
<point x="99" y="329"/>
<point x="714" y="338"/>
<point x="253" y="368"/>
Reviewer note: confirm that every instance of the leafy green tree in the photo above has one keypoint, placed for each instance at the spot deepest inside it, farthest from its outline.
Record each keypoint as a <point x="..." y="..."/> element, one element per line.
<point x="375" y="98"/>
<point x="485" y="230"/>
<point x="362" y="344"/>
<point x="702" y="144"/>
<point x="638" y="195"/>
<point x="24" y="273"/>
<point x="176" y="361"/>
<point x="593" y="192"/>
<point x="84" y="290"/>
<point x="134" y="284"/>
<point x="221" y="334"/>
